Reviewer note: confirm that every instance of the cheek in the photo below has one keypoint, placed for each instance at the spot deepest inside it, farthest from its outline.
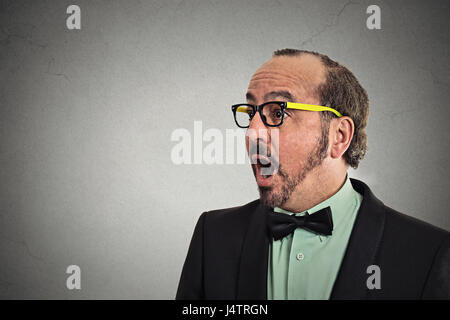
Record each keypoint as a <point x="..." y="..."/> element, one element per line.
<point x="295" y="148"/>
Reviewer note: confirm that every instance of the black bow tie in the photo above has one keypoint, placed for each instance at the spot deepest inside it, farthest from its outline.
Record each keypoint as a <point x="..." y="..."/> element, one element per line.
<point x="280" y="224"/>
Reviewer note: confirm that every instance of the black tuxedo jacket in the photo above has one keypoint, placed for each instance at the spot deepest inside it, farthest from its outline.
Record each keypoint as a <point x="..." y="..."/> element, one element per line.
<point x="228" y="255"/>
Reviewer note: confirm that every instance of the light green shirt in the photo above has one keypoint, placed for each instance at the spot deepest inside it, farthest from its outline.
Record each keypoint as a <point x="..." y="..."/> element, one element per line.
<point x="304" y="265"/>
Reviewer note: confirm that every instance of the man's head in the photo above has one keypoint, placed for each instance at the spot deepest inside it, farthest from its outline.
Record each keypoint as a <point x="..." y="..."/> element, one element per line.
<point x="315" y="148"/>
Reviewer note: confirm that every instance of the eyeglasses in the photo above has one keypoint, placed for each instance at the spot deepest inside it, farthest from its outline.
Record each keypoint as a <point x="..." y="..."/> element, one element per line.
<point x="272" y="112"/>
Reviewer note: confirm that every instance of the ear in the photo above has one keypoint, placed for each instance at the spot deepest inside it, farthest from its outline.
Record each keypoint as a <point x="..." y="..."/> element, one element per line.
<point x="341" y="134"/>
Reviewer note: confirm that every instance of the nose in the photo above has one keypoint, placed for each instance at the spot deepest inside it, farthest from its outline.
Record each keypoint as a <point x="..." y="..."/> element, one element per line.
<point x="256" y="122"/>
<point x="257" y="132"/>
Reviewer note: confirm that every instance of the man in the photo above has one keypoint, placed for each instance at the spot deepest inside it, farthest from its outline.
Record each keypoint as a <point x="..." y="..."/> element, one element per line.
<point x="314" y="233"/>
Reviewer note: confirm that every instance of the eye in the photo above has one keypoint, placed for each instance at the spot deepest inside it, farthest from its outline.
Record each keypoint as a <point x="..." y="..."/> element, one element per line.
<point x="277" y="114"/>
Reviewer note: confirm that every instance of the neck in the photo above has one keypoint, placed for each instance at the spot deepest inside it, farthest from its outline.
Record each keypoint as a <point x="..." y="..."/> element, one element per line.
<point x="315" y="188"/>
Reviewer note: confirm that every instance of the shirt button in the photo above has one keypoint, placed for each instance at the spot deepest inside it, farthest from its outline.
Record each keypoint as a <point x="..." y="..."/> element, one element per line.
<point x="300" y="256"/>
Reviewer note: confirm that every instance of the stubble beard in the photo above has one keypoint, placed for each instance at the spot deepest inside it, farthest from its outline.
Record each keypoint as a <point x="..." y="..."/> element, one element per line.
<point x="273" y="198"/>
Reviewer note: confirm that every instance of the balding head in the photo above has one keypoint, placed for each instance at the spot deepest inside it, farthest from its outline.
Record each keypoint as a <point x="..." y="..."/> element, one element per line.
<point x="343" y="92"/>
<point x="302" y="74"/>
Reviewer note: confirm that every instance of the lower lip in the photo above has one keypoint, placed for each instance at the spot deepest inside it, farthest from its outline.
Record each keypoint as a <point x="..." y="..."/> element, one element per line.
<point x="262" y="181"/>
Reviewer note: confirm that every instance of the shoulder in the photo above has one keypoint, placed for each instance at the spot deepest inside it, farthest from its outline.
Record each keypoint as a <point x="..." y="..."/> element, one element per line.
<point x="224" y="230"/>
<point x="407" y="229"/>
<point x="230" y="216"/>
<point x="395" y="222"/>
<point x="396" y="234"/>
<point x="407" y="224"/>
<point x="415" y="254"/>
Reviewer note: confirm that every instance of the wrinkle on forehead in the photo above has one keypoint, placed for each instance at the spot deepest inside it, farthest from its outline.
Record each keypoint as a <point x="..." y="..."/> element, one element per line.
<point x="299" y="74"/>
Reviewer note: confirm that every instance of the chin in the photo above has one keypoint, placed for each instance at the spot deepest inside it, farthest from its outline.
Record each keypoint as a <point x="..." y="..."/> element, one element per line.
<point x="270" y="197"/>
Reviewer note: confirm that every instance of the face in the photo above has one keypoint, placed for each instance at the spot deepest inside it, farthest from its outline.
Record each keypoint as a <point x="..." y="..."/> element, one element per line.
<point x="302" y="138"/>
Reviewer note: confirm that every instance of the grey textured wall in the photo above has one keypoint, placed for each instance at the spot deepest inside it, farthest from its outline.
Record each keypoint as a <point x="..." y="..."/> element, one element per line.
<point x="86" y="118"/>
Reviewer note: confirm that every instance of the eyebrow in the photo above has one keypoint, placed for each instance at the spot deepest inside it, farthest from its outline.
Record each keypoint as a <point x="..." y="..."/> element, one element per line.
<point x="272" y="95"/>
<point x="283" y="93"/>
<point x="250" y="97"/>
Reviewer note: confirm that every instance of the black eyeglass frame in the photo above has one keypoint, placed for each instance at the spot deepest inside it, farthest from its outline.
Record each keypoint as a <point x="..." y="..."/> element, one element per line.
<point x="256" y="108"/>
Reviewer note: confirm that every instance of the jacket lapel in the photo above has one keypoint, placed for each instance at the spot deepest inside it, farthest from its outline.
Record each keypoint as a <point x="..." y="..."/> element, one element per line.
<point x="362" y="247"/>
<point x="252" y="277"/>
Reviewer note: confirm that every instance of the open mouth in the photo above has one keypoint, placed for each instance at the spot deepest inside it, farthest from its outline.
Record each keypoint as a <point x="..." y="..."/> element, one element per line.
<point x="264" y="165"/>
<point x="264" y="169"/>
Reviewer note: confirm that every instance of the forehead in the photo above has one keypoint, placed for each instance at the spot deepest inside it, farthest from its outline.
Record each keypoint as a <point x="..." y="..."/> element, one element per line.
<point x="299" y="75"/>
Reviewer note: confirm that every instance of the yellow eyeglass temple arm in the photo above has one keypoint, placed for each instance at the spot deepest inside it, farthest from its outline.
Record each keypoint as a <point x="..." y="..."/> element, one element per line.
<point x="311" y="107"/>
<point x="301" y="106"/>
